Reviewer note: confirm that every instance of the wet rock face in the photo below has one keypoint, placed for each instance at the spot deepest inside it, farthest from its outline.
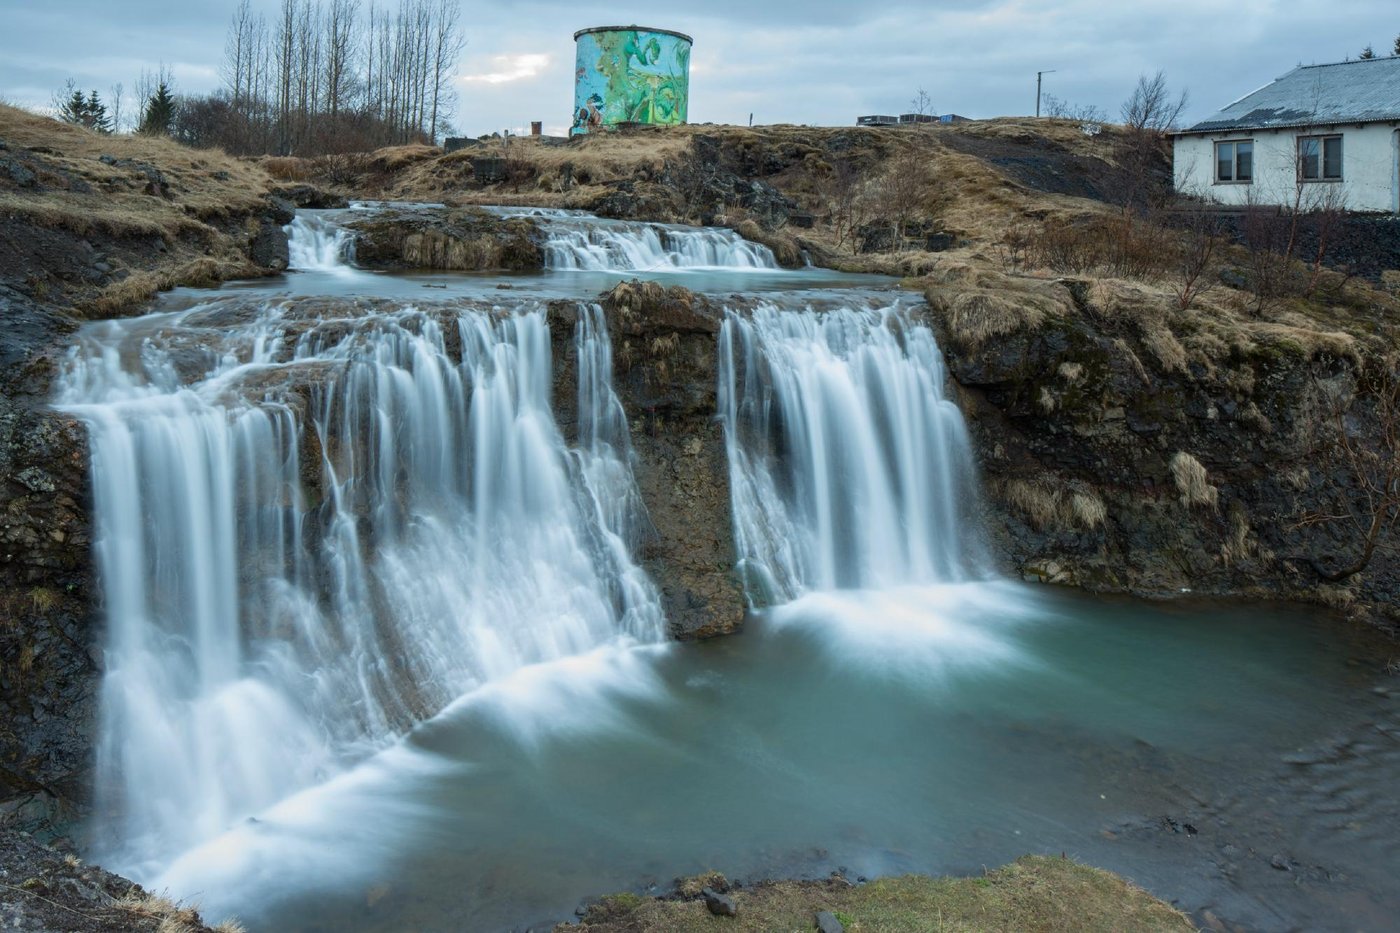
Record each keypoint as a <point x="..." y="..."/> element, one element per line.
<point x="48" y="665"/>
<point x="463" y="240"/>
<point x="50" y="891"/>
<point x="664" y="373"/>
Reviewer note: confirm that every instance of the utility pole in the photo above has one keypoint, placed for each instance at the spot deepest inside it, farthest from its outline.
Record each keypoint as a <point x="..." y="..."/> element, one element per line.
<point x="1037" y="88"/>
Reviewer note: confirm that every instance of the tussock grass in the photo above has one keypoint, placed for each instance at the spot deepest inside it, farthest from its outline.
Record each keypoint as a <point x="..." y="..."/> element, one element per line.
<point x="1048" y="505"/>
<point x="138" y="288"/>
<point x="1192" y="482"/>
<point x="1034" y="893"/>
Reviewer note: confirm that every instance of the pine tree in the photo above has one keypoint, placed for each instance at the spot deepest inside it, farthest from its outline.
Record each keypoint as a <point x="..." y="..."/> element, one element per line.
<point x="159" y="114"/>
<point x="96" y="117"/>
<point x="73" y="108"/>
<point x="82" y="110"/>
<point x="1397" y="46"/>
<point x="1367" y="52"/>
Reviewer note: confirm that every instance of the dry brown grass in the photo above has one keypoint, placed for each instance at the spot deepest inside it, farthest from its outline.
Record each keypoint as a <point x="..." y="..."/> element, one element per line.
<point x="1193" y="483"/>
<point x="1039" y="893"/>
<point x="195" y="232"/>
<point x="1048" y="505"/>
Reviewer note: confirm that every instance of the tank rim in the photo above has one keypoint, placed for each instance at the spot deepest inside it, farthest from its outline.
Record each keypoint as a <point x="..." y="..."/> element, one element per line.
<point x="633" y="28"/>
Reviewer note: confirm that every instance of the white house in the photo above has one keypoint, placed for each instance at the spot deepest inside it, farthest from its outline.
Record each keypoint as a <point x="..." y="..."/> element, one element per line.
<point x="1321" y="133"/>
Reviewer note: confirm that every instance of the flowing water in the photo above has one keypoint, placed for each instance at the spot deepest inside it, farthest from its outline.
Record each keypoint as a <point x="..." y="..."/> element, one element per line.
<point x="380" y="656"/>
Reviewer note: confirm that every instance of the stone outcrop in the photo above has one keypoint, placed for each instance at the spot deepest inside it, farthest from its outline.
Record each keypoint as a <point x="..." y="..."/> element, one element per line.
<point x="448" y="239"/>
<point x="664" y="372"/>
<point x="1120" y="456"/>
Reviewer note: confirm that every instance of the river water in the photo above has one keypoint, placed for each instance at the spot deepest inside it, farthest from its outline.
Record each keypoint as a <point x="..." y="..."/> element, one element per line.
<point x="380" y="657"/>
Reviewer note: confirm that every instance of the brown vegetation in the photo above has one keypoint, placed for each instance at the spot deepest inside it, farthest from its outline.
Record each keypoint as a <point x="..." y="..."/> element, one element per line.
<point x="159" y="213"/>
<point x="1034" y="893"/>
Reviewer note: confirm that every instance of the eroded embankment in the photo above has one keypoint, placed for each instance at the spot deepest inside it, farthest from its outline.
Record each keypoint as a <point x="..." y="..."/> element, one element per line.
<point x="1128" y="446"/>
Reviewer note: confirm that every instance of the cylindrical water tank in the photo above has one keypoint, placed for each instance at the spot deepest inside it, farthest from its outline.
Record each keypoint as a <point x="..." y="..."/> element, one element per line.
<point x="630" y="74"/>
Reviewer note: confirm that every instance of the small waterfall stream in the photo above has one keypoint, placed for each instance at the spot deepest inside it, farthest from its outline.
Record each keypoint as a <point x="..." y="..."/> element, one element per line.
<point x="316" y="243"/>
<point x="316" y="529"/>
<point x="579" y="242"/>
<point x="849" y="469"/>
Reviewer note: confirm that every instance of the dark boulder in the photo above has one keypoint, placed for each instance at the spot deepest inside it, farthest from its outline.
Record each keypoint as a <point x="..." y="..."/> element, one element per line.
<point x="827" y="923"/>
<point x="311" y="197"/>
<point x="721" y="905"/>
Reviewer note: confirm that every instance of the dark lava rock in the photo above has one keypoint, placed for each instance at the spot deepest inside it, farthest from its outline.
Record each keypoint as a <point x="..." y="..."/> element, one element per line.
<point x="309" y="196"/>
<point x="156" y="185"/>
<point x="269" y="248"/>
<point x="48" y="892"/>
<point x="467" y="240"/>
<point x="19" y="173"/>
<point x="827" y="923"/>
<point x="721" y="905"/>
<point x="281" y="211"/>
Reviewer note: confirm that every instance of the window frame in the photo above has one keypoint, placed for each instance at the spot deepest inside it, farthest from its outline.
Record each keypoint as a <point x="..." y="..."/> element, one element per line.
<point x="1322" y="176"/>
<point x="1234" y="178"/>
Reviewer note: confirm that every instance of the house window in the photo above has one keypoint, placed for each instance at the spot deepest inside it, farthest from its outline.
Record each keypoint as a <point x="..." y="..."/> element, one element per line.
<point x="1234" y="161"/>
<point x="1320" y="158"/>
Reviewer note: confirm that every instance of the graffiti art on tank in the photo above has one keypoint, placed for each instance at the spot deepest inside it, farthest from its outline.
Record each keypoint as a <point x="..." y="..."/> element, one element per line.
<point x="630" y="76"/>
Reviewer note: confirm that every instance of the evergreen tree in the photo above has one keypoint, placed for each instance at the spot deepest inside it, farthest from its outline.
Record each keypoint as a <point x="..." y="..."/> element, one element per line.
<point x="73" y="108"/>
<point x="1397" y="46"/>
<point x="159" y="114"/>
<point x="96" y="116"/>
<point x="1367" y="52"/>
<point x="82" y="109"/>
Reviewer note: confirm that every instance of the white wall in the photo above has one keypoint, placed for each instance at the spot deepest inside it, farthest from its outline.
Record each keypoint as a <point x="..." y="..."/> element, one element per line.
<point x="1370" y="163"/>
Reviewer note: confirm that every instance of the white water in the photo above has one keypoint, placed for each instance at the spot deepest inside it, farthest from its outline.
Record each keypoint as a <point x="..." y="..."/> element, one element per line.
<point x="316" y="243"/>
<point x="587" y="244"/>
<point x="849" y="469"/>
<point x="314" y="533"/>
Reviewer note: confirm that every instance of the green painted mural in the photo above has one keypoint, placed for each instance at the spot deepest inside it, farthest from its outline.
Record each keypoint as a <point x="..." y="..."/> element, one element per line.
<point x="630" y="74"/>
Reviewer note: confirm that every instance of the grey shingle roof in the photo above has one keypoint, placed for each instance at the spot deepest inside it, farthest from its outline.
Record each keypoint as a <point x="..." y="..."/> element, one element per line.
<point x="1361" y="91"/>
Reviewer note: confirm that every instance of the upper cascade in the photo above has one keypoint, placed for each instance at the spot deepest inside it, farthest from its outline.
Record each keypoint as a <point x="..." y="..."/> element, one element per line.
<point x="849" y="468"/>
<point x="316" y="243"/>
<point x="334" y="519"/>
<point x="579" y="242"/>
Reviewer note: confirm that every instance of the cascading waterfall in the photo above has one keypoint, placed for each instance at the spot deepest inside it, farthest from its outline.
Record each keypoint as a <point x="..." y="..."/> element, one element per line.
<point x="848" y="467"/>
<point x="579" y="244"/>
<point x="316" y="243"/>
<point x="314" y="531"/>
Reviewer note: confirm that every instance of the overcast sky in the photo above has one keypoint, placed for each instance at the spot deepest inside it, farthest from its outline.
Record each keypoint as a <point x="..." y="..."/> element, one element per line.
<point x="789" y="61"/>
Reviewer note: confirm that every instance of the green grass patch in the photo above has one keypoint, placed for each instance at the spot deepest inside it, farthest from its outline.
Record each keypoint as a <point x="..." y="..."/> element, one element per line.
<point x="1034" y="893"/>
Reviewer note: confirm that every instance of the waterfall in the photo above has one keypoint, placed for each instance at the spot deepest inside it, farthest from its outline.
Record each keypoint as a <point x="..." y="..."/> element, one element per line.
<point x="593" y="245"/>
<point x="313" y="531"/>
<point x="316" y="243"/>
<point x="848" y="466"/>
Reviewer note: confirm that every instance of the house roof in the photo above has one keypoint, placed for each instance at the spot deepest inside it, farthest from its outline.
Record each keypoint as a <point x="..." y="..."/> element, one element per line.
<point x="1363" y="91"/>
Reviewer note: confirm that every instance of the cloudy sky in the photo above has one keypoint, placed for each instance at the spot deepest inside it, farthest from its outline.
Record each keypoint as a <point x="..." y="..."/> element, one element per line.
<point x="793" y="61"/>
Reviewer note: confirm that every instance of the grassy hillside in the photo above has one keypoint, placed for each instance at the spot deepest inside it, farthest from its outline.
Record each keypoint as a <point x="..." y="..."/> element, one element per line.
<point x="99" y="223"/>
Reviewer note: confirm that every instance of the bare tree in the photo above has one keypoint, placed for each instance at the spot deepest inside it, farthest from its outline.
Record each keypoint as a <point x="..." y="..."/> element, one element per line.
<point x="114" y="109"/>
<point x="1200" y="242"/>
<point x="1058" y="108"/>
<point x="1365" y="489"/>
<point x="1151" y="107"/>
<point x="921" y="103"/>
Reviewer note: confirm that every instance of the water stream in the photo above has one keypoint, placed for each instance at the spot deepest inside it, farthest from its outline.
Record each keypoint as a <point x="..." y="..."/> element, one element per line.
<point x="381" y="656"/>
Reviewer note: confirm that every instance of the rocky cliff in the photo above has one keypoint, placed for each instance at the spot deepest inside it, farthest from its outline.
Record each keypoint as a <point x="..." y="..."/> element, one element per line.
<point x="664" y="372"/>
<point x="1130" y="446"/>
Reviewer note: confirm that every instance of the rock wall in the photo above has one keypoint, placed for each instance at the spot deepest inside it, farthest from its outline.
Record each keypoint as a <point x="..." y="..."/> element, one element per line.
<point x="463" y="240"/>
<point x="664" y="371"/>
<point x="1120" y="457"/>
